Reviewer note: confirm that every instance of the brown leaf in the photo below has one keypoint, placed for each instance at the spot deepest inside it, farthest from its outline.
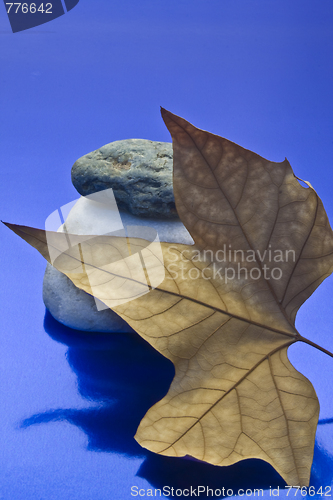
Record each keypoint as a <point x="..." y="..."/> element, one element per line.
<point x="220" y="315"/>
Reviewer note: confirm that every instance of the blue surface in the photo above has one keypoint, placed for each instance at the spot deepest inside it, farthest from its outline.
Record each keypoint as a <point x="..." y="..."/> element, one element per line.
<point x="257" y="72"/>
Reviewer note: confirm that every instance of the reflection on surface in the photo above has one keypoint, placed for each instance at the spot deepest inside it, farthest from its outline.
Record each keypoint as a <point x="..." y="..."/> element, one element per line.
<point x="123" y="377"/>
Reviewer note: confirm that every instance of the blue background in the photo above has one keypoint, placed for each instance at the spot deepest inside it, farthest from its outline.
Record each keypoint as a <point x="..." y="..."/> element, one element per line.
<point x="255" y="71"/>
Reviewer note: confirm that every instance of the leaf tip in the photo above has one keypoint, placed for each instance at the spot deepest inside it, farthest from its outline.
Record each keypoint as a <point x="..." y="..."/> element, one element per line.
<point x="164" y="112"/>
<point x="168" y="118"/>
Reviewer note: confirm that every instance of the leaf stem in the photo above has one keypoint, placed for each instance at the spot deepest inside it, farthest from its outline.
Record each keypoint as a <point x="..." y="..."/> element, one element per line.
<point x="307" y="341"/>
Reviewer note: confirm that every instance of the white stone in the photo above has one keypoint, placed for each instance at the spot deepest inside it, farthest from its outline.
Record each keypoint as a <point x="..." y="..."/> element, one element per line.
<point x="75" y="308"/>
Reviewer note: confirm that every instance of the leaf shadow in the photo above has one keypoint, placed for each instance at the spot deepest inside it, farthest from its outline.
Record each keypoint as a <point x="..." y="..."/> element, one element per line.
<point x="123" y="376"/>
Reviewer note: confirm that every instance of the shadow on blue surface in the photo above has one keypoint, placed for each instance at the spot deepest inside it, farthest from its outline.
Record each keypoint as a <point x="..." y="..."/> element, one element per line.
<point x="124" y="376"/>
<point x="325" y="421"/>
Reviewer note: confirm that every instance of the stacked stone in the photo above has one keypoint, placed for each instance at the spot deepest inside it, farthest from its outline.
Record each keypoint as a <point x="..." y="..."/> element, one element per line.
<point x="140" y="174"/>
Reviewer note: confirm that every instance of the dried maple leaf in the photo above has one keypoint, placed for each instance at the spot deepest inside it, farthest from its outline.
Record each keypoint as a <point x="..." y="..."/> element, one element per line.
<point x="224" y="313"/>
